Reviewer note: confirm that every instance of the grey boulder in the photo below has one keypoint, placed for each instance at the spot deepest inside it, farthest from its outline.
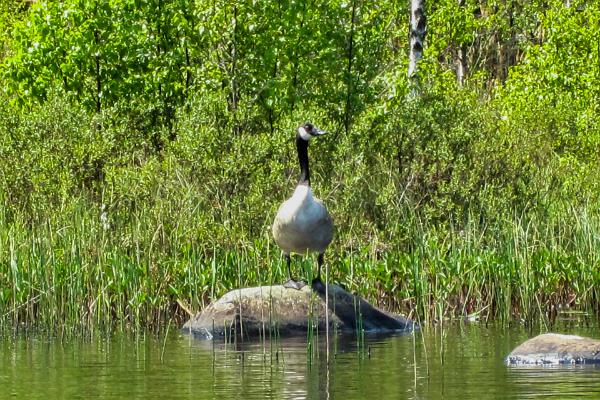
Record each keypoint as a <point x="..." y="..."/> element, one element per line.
<point x="554" y="348"/>
<point x="265" y="311"/>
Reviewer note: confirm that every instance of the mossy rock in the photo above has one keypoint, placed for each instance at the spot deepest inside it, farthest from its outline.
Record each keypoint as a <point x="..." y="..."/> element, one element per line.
<point x="265" y="311"/>
<point x="554" y="348"/>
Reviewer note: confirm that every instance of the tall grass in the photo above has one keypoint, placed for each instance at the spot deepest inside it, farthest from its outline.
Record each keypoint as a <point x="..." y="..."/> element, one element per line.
<point x="80" y="270"/>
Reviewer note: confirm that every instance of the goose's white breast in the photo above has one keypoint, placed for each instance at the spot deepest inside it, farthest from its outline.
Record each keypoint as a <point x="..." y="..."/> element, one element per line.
<point x="302" y="223"/>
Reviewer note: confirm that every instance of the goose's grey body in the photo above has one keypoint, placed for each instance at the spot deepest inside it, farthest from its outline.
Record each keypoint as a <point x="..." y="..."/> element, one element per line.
<point x="302" y="223"/>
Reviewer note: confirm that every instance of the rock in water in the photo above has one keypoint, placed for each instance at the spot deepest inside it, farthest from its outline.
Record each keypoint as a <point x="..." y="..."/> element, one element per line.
<point x="554" y="348"/>
<point x="266" y="311"/>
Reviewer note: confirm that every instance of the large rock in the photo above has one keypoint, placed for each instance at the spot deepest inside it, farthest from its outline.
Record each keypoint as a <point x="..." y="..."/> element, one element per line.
<point x="266" y="311"/>
<point x="554" y="348"/>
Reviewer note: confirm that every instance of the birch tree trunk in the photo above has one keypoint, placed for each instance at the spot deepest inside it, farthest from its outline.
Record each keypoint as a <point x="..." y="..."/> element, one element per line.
<point x="418" y="25"/>
<point x="461" y="59"/>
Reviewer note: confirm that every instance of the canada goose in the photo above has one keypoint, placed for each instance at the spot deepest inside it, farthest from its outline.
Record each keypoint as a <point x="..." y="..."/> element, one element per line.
<point x="302" y="223"/>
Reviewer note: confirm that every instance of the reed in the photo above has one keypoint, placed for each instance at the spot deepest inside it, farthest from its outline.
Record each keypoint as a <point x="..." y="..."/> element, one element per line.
<point x="77" y="271"/>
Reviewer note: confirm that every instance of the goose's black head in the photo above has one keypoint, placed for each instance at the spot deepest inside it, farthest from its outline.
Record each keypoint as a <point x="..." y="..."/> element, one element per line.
<point x="308" y="131"/>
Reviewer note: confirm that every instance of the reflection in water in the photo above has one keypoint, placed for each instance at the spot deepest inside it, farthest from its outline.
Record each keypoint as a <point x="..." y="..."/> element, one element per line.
<point x="573" y="381"/>
<point x="272" y="369"/>
<point x="462" y="362"/>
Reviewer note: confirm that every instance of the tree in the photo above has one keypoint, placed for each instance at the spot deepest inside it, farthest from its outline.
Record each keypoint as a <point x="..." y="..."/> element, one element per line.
<point x="418" y="27"/>
<point x="461" y="57"/>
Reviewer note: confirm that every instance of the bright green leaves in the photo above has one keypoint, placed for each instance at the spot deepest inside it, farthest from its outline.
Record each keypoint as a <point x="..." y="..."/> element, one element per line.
<point x="100" y="53"/>
<point x="551" y="101"/>
<point x="268" y="59"/>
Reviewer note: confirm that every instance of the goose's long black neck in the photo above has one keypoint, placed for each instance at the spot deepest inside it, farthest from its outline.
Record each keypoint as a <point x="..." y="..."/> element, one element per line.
<point x="302" y="148"/>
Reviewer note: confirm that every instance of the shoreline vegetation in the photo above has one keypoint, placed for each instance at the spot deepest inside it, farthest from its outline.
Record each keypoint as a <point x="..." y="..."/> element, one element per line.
<point x="144" y="152"/>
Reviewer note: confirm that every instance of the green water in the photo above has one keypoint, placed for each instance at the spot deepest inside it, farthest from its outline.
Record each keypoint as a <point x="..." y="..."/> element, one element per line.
<point x="458" y="362"/>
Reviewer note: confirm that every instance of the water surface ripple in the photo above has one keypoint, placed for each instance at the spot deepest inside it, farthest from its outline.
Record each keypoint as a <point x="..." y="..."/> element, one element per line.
<point x="456" y="362"/>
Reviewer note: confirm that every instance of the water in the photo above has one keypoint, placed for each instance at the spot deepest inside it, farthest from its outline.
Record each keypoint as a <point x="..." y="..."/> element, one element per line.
<point x="458" y="362"/>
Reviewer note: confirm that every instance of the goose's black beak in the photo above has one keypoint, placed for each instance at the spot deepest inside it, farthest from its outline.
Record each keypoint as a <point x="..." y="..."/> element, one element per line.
<point x="318" y="132"/>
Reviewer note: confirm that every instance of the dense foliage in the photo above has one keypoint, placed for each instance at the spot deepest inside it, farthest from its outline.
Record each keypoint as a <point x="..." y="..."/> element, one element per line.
<point x="154" y="138"/>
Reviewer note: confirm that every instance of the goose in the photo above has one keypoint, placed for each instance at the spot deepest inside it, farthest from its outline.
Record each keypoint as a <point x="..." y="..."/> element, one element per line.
<point x="302" y="223"/>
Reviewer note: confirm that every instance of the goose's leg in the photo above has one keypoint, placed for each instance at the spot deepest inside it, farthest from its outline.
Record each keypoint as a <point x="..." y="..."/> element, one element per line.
<point x="288" y="260"/>
<point x="317" y="283"/>
<point x="291" y="283"/>
<point x="319" y="264"/>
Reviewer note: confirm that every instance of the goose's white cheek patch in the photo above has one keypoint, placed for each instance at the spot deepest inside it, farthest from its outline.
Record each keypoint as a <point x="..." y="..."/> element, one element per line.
<point x="303" y="134"/>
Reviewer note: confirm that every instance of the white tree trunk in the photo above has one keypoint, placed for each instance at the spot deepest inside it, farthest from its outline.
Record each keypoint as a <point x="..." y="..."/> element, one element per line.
<point x="461" y="57"/>
<point x="418" y="27"/>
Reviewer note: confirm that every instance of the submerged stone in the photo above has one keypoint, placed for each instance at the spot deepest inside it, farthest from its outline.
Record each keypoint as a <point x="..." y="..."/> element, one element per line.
<point x="270" y="311"/>
<point x="554" y="348"/>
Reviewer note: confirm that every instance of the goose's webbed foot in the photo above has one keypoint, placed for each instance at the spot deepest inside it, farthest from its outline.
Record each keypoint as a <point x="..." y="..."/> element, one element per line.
<point x="293" y="284"/>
